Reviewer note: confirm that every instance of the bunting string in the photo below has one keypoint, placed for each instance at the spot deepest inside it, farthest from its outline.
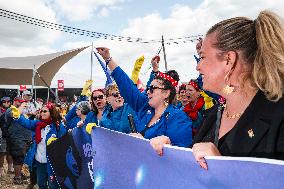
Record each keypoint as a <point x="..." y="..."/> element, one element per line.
<point x="77" y="31"/>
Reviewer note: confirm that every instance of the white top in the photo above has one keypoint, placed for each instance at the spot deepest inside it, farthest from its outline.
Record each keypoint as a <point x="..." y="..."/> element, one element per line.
<point x="40" y="155"/>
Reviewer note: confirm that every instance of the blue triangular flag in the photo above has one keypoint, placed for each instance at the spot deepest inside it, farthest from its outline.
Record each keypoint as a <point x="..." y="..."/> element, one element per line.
<point x="106" y="70"/>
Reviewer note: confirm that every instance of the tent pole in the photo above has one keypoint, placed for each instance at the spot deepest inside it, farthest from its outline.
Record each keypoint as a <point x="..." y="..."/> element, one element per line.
<point x="47" y="100"/>
<point x="35" y="94"/>
<point x="49" y="89"/>
<point x="56" y="97"/>
<point x="33" y="81"/>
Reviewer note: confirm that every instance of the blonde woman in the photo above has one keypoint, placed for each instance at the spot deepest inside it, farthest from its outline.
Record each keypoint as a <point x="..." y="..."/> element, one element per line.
<point x="243" y="61"/>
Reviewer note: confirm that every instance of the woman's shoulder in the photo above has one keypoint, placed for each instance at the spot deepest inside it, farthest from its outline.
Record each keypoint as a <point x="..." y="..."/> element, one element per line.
<point x="267" y="108"/>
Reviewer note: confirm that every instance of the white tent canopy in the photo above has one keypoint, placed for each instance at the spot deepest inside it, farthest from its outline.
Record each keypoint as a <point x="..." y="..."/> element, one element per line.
<point x="19" y="70"/>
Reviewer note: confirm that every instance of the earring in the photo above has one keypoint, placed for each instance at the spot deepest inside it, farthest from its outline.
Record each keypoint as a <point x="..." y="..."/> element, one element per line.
<point x="228" y="89"/>
<point x="166" y="103"/>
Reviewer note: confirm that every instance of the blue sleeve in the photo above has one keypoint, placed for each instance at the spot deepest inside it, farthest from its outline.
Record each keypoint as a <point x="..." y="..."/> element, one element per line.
<point x="71" y="114"/>
<point x="180" y="130"/>
<point x="27" y="123"/>
<point x="61" y="131"/>
<point x="82" y="98"/>
<point x="128" y="90"/>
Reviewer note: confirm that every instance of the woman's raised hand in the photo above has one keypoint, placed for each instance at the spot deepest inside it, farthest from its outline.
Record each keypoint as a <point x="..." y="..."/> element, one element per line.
<point x="104" y="52"/>
<point x="155" y="63"/>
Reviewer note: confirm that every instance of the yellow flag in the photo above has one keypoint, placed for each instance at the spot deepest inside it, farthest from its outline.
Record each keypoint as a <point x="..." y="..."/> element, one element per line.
<point x="207" y="99"/>
<point x="136" y="69"/>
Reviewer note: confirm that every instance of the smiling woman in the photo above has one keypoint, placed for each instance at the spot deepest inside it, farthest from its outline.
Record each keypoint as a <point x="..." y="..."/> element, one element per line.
<point x="158" y="119"/>
<point x="243" y="60"/>
<point x="116" y="114"/>
<point x="47" y="129"/>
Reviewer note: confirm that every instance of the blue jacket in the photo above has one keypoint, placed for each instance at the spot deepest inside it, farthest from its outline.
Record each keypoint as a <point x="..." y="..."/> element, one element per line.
<point x="91" y="118"/>
<point x="173" y="123"/>
<point x="118" y="120"/>
<point x="71" y="118"/>
<point x="31" y="125"/>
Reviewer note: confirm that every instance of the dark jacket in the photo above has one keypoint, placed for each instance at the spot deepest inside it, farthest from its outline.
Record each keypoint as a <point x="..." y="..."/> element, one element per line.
<point x="15" y="130"/>
<point x="259" y="132"/>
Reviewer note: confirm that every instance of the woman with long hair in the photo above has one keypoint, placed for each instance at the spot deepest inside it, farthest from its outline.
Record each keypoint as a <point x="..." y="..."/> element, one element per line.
<point x="243" y="61"/>
<point x="46" y="129"/>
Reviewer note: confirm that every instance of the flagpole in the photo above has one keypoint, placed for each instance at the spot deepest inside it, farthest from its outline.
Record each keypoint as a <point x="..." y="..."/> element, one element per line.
<point x="33" y="82"/>
<point x="91" y="77"/>
<point x="92" y="61"/>
<point x="164" y="51"/>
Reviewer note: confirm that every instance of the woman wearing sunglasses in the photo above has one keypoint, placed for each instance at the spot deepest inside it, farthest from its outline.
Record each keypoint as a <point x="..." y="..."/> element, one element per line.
<point x="47" y="129"/>
<point x="116" y="115"/>
<point x="98" y="103"/>
<point x="157" y="117"/>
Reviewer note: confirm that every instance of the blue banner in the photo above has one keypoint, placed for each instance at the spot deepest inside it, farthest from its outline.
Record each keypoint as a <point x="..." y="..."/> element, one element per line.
<point x="71" y="160"/>
<point x="123" y="161"/>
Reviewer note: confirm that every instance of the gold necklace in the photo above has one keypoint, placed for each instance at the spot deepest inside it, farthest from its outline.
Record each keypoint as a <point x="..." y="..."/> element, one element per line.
<point x="234" y="116"/>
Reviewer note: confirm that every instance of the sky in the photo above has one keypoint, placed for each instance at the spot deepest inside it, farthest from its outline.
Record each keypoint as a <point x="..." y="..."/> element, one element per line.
<point x="145" y="19"/>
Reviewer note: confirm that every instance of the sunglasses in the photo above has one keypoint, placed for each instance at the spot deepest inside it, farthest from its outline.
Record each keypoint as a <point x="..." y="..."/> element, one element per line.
<point x="151" y="88"/>
<point x="115" y="95"/>
<point x="43" y="111"/>
<point x="4" y="101"/>
<point x="98" y="97"/>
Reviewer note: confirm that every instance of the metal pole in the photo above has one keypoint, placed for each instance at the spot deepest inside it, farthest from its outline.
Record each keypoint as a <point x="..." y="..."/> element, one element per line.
<point x="56" y="97"/>
<point x="92" y="62"/>
<point x="164" y="51"/>
<point x="33" y="80"/>
<point x="49" y="89"/>
<point x="47" y="100"/>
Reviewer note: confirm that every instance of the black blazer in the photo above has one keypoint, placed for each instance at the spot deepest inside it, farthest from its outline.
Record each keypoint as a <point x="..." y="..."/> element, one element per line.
<point x="259" y="132"/>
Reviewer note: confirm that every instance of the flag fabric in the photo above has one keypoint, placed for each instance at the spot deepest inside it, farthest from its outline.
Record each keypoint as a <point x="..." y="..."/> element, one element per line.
<point x="71" y="160"/>
<point x="106" y="70"/>
<point x="136" y="70"/>
<point x="123" y="161"/>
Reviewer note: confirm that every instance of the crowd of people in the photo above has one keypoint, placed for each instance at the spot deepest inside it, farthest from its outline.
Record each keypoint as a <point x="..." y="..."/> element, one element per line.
<point x="234" y="108"/>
